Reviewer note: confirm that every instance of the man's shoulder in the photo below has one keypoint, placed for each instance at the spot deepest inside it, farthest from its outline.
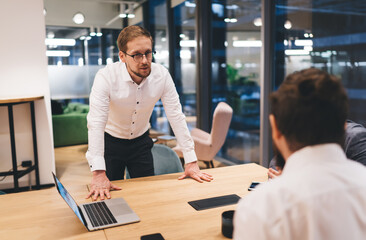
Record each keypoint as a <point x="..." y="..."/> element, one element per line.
<point x="158" y="67"/>
<point x="112" y="67"/>
<point x="158" y="71"/>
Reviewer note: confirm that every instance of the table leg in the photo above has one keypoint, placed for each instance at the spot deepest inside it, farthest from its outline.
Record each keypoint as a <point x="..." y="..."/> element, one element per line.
<point x="13" y="149"/>
<point x="35" y="148"/>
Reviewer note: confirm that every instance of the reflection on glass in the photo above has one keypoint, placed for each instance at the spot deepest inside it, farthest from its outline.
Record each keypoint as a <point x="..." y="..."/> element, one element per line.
<point x="184" y="18"/>
<point x="71" y="75"/>
<point x="327" y="35"/>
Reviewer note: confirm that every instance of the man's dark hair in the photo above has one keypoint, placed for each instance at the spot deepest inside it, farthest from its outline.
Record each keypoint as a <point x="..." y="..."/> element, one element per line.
<point x="129" y="33"/>
<point x="310" y="107"/>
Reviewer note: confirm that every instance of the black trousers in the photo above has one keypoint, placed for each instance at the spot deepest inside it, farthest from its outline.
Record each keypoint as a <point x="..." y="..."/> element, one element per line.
<point x="135" y="154"/>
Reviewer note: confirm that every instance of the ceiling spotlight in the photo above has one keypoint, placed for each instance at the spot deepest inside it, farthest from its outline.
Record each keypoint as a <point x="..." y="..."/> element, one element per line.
<point x="122" y="10"/>
<point x="44" y="11"/>
<point x="257" y="22"/>
<point x="78" y="18"/>
<point x="92" y="31"/>
<point x="50" y="35"/>
<point x="288" y="24"/>
<point x="130" y="11"/>
<point x="99" y="32"/>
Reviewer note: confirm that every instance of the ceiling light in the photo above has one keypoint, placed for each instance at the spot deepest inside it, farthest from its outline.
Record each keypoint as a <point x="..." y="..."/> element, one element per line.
<point x="92" y="31"/>
<point x="257" y="22"/>
<point x="188" y="43"/>
<point x="57" y="53"/>
<point x="44" y="11"/>
<point x="122" y="10"/>
<point x="296" y="52"/>
<point x="130" y="11"/>
<point x="78" y="18"/>
<point x="288" y="24"/>
<point x="249" y="43"/>
<point x="50" y="35"/>
<point x="303" y="42"/>
<point x="60" y="42"/>
<point x="99" y="32"/>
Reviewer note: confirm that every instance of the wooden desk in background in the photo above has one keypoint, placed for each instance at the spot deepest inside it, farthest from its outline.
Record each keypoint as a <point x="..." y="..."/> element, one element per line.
<point x="161" y="202"/>
<point x="43" y="214"/>
<point x="10" y="102"/>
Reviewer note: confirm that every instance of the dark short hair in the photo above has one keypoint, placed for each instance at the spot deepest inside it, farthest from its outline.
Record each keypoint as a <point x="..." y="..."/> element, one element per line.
<point x="129" y="33"/>
<point x="310" y="107"/>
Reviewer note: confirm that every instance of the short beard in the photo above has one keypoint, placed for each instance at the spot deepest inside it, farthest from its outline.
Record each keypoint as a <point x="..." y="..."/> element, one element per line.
<point x="141" y="76"/>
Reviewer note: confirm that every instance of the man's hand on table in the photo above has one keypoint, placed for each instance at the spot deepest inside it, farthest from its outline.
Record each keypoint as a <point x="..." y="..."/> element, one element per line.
<point x="192" y="170"/>
<point x="100" y="186"/>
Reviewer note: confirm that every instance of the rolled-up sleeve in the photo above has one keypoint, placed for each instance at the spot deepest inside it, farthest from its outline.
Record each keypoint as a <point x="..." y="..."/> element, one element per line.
<point x="97" y="119"/>
<point x="177" y="120"/>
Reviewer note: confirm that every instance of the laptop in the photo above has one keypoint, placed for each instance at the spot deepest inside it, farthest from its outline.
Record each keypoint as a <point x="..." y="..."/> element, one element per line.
<point x="101" y="214"/>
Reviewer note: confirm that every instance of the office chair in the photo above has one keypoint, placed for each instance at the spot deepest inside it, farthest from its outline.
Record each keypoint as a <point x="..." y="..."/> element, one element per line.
<point x="165" y="161"/>
<point x="207" y="145"/>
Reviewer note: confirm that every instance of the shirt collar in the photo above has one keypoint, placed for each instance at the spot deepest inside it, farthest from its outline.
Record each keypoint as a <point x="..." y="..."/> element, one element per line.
<point x="125" y="74"/>
<point x="314" y="155"/>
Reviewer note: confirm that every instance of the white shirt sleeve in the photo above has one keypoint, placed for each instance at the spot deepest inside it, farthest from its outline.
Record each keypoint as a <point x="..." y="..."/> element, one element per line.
<point x="177" y="120"/>
<point x="97" y="119"/>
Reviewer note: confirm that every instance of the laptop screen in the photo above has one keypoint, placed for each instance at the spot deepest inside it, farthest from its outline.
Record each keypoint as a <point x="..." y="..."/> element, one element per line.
<point x="68" y="199"/>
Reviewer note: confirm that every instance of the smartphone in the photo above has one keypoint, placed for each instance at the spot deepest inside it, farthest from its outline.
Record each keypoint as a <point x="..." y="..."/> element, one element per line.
<point x="253" y="185"/>
<point x="155" y="236"/>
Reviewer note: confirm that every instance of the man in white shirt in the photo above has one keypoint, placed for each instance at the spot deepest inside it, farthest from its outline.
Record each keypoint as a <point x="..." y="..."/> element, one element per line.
<point x="320" y="193"/>
<point x="121" y="102"/>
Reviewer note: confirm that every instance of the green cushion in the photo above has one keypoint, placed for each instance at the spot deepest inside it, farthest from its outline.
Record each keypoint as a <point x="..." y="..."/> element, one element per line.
<point x="70" y="129"/>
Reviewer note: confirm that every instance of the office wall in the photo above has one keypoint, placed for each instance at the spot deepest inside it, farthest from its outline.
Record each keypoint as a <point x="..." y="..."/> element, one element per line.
<point x="23" y="72"/>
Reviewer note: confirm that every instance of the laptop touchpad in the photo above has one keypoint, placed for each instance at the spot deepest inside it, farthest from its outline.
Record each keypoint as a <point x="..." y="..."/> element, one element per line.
<point x="120" y="209"/>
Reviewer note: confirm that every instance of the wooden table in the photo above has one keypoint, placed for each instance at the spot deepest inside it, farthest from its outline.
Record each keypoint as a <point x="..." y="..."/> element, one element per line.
<point x="10" y="102"/>
<point x="161" y="203"/>
<point x="43" y="214"/>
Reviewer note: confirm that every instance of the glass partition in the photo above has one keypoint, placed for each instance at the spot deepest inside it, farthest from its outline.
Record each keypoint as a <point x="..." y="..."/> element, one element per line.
<point x="236" y="27"/>
<point x="74" y="57"/>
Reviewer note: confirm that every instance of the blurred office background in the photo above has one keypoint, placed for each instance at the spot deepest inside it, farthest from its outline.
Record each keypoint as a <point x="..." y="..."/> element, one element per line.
<point x="236" y="51"/>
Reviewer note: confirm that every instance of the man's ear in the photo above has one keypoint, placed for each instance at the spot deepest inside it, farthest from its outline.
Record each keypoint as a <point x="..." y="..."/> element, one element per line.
<point x="276" y="134"/>
<point x="122" y="56"/>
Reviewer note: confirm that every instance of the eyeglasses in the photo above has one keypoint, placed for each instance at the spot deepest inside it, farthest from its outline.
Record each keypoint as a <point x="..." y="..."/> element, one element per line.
<point x="138" y="56"/>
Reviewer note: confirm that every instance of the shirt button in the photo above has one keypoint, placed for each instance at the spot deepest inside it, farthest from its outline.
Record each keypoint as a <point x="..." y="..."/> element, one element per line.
<point x="137" y="102"/>
<point x="133" y="122"/>
<point x="135" y="112"/>
<point x="131" y="133"/>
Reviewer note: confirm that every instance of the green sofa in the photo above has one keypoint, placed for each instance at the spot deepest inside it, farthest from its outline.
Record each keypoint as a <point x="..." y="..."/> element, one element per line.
<point x="70" y="127"/>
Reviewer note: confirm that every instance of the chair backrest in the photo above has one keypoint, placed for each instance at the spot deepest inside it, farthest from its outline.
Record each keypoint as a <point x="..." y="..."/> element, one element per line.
<point x="165" y="160"/>
<point x="220" y="124"/>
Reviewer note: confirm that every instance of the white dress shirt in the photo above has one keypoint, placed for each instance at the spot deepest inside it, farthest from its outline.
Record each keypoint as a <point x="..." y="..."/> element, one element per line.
<point x="320" y="195"/>
<point x="123" y="108"/>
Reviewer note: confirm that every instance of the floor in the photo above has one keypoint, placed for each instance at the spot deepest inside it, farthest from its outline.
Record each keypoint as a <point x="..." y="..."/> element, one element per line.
<point x="72" y="166"/>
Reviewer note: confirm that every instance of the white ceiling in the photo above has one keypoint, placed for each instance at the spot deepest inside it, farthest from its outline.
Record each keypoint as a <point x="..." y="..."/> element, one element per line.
<point x="97" y="13"/>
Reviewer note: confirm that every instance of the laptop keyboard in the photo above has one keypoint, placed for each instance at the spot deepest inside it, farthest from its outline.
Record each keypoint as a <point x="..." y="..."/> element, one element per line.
<point x="99" y="214"/>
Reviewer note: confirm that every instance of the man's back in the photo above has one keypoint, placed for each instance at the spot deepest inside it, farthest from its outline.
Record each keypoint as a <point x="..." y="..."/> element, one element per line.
<point x="320" y="195"/>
